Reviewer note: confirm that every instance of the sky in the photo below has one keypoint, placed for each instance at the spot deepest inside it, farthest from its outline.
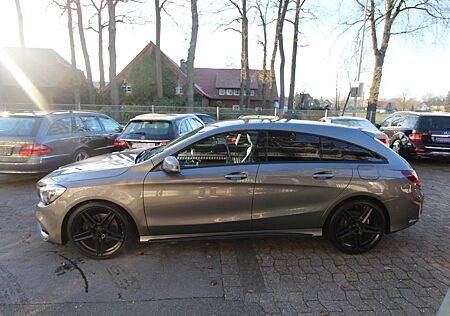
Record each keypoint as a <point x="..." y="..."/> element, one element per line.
<point x="413" y="66"/>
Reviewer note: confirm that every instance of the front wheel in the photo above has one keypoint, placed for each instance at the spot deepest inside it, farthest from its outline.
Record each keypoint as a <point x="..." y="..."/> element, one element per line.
<point x="80" y="155"/>
<point x="100" y="230"/>
<point x="356" y="226"/>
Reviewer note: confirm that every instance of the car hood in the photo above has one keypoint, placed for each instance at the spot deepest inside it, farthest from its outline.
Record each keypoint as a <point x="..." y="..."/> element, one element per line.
<point x="98" y="167"/>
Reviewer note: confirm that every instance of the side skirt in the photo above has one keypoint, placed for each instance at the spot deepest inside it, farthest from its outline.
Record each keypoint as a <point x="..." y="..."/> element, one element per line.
<point x="231" y="235"/>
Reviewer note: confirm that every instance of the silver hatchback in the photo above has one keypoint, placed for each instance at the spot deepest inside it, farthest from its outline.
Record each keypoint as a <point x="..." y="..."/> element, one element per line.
<point x="247" y="177"/>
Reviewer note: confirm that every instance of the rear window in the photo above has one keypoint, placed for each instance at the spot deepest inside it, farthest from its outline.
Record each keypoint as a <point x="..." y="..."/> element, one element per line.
<point x="150" y="130"/>
<point x="430" y="123"/>
<point x="335" y="150"/>
<point x="355" y="123"/>
<point x="18" y="126"/>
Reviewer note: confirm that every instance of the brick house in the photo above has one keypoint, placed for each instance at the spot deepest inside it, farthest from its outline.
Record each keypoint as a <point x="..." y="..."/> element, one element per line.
<point x="214" y="87"/>
<point x="44" y="69"/>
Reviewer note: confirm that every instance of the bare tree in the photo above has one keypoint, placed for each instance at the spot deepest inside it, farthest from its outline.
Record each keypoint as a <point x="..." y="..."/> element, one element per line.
<point x="66" y="7"/>
<point x="99" y="6"/>
<point x="282" y="56"/>
<point x="298" y="6"/>
<point x="262" y="14"/>
<point x="87" y="62"/>
<point x="159" y="86"/>
<point x="394" y="17"/>
<point x="20" y="23"/>
<point x="282" y="9"/>
<point x="191" y="57"/>
<point x="114" y="89"/>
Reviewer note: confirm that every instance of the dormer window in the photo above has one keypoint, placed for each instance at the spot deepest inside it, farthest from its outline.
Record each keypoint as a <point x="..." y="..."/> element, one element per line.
<point x="237" y="91"/>
<point x="221" y="91"/>
<point x="230" y="91"/>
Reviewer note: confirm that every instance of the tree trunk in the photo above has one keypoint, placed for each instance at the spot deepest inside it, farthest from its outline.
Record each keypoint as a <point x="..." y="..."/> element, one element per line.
<point x="159" y="85"/>
<point x="87" y="62"/>
<point x="282" y="57"/>
<point x="191" y="57"/>
<point x="376" y="79"/>
<point x="20" y="22"/>
<point x="73" y="61"/>
<point x="101" y="63"/>
<point x="114" y="89"/>
<point x="263" y="19"/>
<point x="245" y="53"/>
<point x="294" y="55"/>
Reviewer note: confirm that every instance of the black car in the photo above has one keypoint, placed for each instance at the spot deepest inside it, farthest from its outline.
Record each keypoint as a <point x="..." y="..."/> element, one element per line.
<point x="36" y="142"/>
<point x="418" y="134"/>
<point x="153" y="130"/>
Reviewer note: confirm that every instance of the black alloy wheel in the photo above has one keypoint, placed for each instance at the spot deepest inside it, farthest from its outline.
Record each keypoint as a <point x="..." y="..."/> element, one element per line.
<point x="80" y="155"/>
<point x="99" y="230"/>
<point x="356" y="226"/>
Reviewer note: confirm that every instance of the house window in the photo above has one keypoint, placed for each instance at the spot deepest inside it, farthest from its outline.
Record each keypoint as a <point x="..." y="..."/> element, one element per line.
<point x="179" y="90"/>
<point x="127" y="88"/>
<point x="236" y="107"/>
<point x="237" y="91"/>
<point x="221" y="91"/>
<point x="229" y="91"/>
<point x="258" y="109"/>
<point x="252" y="93"/>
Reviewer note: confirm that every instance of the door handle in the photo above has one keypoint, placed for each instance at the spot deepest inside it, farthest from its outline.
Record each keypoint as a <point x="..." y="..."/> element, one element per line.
<point x="237" y="176"/>
<point x="323" y="175"/>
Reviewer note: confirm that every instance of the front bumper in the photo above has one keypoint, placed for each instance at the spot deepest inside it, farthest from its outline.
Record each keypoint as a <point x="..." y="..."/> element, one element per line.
<point x="50" y="222"/>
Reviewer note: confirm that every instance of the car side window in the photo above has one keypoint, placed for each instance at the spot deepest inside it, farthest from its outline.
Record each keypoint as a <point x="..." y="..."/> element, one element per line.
<point x="195" y="124"/>
<point x="399" y="121"/>
<point x="336" y="150"/>
<point x="292" y="147"/>
<point x="79" y="125"/>
<point x="61" y="126"/>
<point x="109" y="124"/>
<point x="223" y="149"/>
<point x="91" y="123"/>
<point x="387" y="122"/>
<point x="184" y="127"/>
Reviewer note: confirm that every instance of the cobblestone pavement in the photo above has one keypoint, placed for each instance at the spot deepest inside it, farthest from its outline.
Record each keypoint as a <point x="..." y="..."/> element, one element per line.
<point x="407" y="274"/>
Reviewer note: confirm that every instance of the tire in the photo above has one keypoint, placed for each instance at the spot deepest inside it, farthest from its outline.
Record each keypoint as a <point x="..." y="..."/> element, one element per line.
<point x="100" y="230"/>
<point x="356" y="226"/>
<point x="80" y="155"/>
<point x="397" y="146"/>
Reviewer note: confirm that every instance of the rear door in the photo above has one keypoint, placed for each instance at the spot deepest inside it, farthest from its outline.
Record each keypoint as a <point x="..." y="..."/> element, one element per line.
<point x="61" y="139"/>
<point x="294" y="186"/>
<point x="112" y="130"/>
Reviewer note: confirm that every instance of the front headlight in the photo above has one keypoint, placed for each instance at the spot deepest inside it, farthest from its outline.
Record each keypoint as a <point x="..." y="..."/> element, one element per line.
<point x="50" y="193"/>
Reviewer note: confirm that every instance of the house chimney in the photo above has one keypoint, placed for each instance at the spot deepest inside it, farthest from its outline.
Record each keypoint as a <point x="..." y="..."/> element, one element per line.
<point x="183" y="66"/>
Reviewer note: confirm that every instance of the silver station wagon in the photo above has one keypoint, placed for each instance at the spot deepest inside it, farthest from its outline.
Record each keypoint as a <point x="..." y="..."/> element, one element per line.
<point x="246" y="177"/>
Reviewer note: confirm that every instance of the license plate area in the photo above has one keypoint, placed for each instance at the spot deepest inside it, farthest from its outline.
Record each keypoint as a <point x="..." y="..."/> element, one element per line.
<point x="143" y="145"/>
<point x="441" y="139"/>
<point x="6" y="150"/>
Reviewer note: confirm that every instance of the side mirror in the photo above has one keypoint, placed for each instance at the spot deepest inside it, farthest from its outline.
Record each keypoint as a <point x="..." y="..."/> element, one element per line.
<point x="171" y="165"/>
<point x="119" y="129"/>
<point x="377" y="125"/>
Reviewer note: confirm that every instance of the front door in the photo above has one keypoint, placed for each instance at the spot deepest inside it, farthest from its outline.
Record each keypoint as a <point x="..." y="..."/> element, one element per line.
<point x="213" y="192"/>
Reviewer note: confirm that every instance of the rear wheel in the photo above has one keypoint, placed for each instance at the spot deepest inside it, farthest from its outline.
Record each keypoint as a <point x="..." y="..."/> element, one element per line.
<point x="81" y="155"/>
<point x="100" y="230"/>
<point x="356" y="226"/>
<point x="397" y="146"/>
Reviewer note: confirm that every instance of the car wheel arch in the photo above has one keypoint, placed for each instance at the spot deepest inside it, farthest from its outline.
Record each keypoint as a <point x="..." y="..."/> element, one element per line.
<point x="370" y="198"/>
<point x="64" y="237"/>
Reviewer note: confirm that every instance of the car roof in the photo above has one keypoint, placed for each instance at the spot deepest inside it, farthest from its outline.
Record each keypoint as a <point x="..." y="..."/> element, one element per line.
<point x="424" y="113"/>
<point x="165" y="117"/>
<point x="345" y="118"/>
<point x="46" y="113"/>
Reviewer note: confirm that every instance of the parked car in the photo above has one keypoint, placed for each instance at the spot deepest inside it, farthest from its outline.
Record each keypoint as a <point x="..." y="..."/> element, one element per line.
<point x="36" y="142"/>
<point x="152" y="130"/>
<point x="205" y="118"/>
<point x="358" y="122"/>
<point x="235" y="178"/>
<point x="418" y="134"/>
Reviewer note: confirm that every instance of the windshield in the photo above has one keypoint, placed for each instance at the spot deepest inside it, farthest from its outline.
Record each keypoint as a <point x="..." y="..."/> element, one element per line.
<point x="148" y="130"/>
<point x="149" y="153"/>
<point x="17" y="126"/>
<point x="356" y="123"/>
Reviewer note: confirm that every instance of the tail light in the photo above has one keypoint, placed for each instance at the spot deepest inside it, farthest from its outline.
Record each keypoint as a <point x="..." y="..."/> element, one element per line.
<point x="35" y="150"/>
<point x="163" y="143"/>
<point x="119" y="142"/>
<point x="415" y="137"/>
<point x="384" y="140"/>
<point x="411" y="175"/>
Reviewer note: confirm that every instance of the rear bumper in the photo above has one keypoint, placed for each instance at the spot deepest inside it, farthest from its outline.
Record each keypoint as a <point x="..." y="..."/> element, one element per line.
<point x="407" y="210"/>
<point x="34" y="164"/>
